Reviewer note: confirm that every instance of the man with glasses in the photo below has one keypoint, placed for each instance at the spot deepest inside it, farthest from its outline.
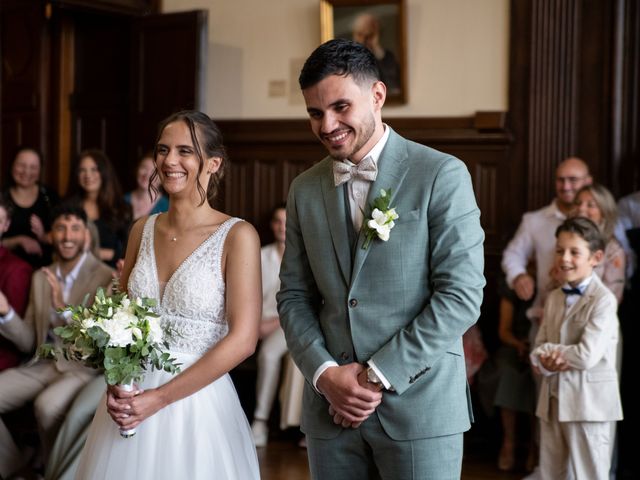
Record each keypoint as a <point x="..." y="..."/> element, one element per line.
<point x="535" y="239"/>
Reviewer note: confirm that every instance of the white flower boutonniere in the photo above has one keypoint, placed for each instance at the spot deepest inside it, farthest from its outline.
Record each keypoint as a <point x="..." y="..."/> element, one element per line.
<point x="382" y="219"/>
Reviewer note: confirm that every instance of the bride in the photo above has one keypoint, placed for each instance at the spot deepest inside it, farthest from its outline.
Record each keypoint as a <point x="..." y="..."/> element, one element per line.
<point x="204" y="268"/>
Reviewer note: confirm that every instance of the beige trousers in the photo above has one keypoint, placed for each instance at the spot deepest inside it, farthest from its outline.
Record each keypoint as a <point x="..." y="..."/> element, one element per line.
<point x="576" y="450"/>
<point x="52" y="392"/>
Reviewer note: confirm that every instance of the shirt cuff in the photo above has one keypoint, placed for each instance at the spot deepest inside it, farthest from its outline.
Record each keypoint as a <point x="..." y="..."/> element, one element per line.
<point x="383" y="379"/>
<point x="320" y="371"/>
<point x="8" y="317"/>
<point x="511" y="276"/>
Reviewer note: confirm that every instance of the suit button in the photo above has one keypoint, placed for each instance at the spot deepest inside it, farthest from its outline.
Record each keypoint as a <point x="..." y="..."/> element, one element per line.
<point x="353" y="302"/>
<point x="344" y="356"/>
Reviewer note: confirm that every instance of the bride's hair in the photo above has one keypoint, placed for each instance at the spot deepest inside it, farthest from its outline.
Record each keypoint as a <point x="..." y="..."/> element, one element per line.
<point x="207" y="142"/>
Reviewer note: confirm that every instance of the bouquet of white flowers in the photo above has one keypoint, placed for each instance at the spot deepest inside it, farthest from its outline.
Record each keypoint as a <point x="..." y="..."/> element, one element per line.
<point x="120" y="337"/>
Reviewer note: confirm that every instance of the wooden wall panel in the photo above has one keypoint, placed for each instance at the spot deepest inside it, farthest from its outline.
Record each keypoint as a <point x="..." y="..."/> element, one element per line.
<point x="24" y="50"/>
<point x="553" y="96"/>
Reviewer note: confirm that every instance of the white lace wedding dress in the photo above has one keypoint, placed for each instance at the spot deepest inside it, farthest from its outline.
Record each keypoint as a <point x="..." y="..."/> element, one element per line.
<point x="205" y="435"/>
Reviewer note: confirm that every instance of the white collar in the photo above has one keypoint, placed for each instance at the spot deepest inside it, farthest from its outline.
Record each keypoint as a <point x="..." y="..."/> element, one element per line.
<point x="73" y="274"/>
<point x="582" y="286"/>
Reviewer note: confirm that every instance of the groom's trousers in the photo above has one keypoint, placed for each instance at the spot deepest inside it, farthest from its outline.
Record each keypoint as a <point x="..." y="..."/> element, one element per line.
<point x="369" y="453"/>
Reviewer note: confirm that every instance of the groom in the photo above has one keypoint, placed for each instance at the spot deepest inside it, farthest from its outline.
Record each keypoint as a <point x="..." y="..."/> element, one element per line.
<point x="377" y="332"/>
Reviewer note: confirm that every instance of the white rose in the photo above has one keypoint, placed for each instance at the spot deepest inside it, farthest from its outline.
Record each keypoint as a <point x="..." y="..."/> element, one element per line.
<point x="125" y="303"/>
<point x="118" y="328"/>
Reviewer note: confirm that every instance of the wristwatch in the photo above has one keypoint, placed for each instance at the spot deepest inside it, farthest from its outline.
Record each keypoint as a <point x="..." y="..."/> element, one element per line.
<point x="372" y="377"/>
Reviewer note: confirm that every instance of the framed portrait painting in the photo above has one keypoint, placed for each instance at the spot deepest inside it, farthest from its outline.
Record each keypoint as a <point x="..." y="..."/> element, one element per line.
<point x="380" y="26"/>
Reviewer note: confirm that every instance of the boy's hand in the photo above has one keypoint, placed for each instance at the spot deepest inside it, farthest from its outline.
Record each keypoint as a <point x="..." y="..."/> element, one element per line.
<point x="554" y="362"/>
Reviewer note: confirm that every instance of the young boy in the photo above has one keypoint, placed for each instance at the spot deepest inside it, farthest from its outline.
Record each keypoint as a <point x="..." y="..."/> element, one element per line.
<point x="575" y="351"/>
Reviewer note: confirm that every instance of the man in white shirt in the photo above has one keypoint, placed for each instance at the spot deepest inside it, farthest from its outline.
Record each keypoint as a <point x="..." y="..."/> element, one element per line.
<point x="535" y="239"/>
<point x="51" y="385"/>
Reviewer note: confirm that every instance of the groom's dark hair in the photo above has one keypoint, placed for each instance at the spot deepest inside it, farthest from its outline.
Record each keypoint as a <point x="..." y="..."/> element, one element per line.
<point x="339" y="57"/>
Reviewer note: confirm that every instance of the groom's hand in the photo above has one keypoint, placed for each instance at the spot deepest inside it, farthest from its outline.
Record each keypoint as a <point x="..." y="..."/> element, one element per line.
<point x="352" y="402"/>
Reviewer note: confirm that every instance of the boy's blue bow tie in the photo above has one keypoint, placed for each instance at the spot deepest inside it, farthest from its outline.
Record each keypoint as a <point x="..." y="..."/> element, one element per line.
<point x="572" y="291"/>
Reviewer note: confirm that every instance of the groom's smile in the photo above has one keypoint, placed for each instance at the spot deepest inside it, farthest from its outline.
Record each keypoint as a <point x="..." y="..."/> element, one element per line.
<point x="345" y="115"/>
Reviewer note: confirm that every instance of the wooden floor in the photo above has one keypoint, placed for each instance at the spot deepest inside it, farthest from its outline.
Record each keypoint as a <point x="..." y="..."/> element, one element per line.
<point x="282" y="459"/>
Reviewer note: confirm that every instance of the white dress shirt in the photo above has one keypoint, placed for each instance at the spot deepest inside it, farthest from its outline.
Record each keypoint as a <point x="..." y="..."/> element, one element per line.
<point x="66" y="281"/>
<point x="535" y="238"/>
<point x="270" y="261"/>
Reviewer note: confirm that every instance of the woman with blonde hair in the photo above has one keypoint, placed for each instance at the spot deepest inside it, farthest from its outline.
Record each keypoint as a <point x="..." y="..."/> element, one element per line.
<point x="597" y="204"/>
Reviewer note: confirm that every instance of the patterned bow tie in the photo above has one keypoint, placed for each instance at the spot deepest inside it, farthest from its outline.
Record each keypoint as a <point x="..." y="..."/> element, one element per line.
<point x="572" y="291"/>
<point x="365" y="170"/>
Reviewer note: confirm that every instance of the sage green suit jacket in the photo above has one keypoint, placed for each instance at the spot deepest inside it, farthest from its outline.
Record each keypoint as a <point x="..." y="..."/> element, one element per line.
<point x="404" y="303"/>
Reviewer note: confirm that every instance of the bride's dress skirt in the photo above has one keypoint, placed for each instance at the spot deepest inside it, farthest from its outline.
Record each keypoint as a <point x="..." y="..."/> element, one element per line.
<point x="203" y="436"/>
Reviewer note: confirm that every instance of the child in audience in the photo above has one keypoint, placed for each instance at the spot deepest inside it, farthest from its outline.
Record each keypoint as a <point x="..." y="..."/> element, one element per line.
<point x="575" y="351"/>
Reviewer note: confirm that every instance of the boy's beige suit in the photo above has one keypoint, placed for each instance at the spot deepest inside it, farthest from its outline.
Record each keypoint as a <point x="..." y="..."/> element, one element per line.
<point x="588" y="397"/>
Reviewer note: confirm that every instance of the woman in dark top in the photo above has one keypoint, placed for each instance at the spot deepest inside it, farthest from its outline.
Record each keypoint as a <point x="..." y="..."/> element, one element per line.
<point x="31" y="203"/>
<point x="95" y="186"/>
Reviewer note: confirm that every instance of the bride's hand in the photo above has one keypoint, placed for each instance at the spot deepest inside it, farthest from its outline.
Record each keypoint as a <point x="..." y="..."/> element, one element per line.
<point x="118" y="401"/>
<point x="132" y="411"/>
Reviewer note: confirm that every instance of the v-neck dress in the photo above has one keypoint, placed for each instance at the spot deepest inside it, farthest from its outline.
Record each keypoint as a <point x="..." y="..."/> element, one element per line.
<point x="205" y="435"/>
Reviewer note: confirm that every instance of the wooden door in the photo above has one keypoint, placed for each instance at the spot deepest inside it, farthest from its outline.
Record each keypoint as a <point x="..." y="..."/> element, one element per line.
<point x="24" y="50"/>
<point x="130" y="73"/>
<point x="168" y="67"/>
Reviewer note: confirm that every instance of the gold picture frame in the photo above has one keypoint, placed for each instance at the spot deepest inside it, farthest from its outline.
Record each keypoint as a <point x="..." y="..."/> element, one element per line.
<point x="378" y="24"/>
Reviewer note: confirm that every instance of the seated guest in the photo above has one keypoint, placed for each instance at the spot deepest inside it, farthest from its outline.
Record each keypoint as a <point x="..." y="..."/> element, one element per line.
<point x="146" y="199"/>
<point x="32" y="203"/>
<point x="273" y="347"/>
<point x="15" y="278"/>
<point x="50" y="384"/>
<point x="95" y="187"/>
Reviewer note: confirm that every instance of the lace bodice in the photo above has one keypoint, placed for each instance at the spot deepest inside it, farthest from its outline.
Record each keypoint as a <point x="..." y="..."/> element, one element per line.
<point x="192" y="306"/>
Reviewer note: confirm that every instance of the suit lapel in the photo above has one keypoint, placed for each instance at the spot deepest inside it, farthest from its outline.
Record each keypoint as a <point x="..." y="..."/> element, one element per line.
<point x="585" y="299"/>
<point x="81" y="284"/>
<point x="337" y="220"/>
<point x="392" y="169"/>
